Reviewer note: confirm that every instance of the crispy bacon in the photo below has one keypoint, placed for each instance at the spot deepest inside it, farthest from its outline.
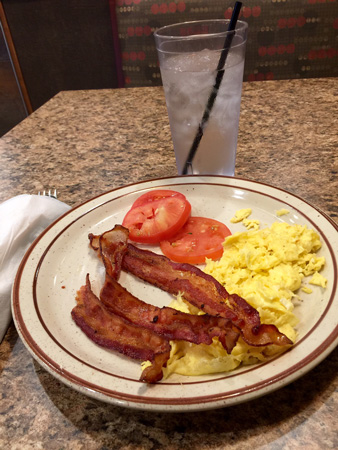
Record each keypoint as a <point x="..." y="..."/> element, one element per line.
<point x="111" y="246"/>
<point x="198" y="288"/>
<point x="113" y="332"/>
<point x="166" y="321"/>
<point x="203" y="291"/>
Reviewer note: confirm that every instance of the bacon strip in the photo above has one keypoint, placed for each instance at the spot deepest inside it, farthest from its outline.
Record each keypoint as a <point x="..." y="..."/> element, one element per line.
<point x="203" y="291"/>
<point x="112" y="331"/>
<point x="111" y="246"/>
<point x="198" y="288"/>
<point x="166" y="321"/>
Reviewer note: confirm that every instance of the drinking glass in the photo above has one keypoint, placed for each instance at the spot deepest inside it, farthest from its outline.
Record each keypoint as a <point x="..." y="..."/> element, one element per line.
<point x="189" y="55"/>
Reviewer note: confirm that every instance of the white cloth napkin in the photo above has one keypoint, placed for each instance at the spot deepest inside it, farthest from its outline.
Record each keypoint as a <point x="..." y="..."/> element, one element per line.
<point x="22" y="219"/>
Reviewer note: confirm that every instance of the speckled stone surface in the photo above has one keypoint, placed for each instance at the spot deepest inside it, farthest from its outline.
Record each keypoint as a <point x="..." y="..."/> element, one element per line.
<point x="87" y="142"/>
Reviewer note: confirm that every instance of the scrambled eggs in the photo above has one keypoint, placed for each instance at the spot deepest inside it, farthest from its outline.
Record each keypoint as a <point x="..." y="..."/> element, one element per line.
<point x="266" y="267"/>
<point x="282" y="212"/>
<point x="240" y="215"/>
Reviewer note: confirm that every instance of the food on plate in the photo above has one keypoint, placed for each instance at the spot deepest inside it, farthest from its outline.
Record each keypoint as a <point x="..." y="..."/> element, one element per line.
<point x="318" y="280"/>
<point x="202" y="291"/>
<point x="306" y="289"/>
<point x="237" y="311"/>
<point x="156" y="216"/>
<point x="166" y="321"/>
<point x="251" y="224"/>
<point x="163" y="216"/>
<point x="156" y="195"/>
<point x="240" y="215"/>
<point x="111" y="247"/>
<point x="113" y="332"/>
<point x="282" y="212"/>
<point x="266" y="267"/>
<point x="199" y="238"/>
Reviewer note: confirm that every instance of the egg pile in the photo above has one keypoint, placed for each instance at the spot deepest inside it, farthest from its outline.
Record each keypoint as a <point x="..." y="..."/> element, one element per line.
<point x="268" y="268"/>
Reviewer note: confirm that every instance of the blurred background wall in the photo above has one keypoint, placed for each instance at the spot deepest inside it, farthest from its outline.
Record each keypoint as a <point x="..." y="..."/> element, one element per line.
<point x="287" y="38"/>
<point x="60" y="45"/>
<point x="12" y="106"/>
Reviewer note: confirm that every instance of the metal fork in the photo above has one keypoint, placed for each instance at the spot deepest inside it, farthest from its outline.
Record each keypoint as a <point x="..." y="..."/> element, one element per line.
<point x="49" y="193"/>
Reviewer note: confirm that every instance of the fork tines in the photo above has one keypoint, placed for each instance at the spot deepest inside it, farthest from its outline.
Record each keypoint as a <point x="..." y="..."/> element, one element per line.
<point x="49" y="193"/>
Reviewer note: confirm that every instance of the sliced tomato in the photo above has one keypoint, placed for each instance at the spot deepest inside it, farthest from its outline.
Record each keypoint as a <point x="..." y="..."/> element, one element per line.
<point x="198" y="239"/>
<point x="158" y="194"/>
<point x="157" y="219"/>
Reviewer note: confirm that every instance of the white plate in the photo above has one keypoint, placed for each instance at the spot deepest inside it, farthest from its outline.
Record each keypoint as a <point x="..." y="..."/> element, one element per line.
<point x="55" y="267"/>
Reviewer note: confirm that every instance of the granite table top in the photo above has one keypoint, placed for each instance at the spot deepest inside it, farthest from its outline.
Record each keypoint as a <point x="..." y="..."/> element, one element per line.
<point x="87" y="142"/>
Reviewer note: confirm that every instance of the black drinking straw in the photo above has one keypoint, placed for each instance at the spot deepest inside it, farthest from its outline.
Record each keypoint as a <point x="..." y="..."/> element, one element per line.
<point x="214" y="92"/>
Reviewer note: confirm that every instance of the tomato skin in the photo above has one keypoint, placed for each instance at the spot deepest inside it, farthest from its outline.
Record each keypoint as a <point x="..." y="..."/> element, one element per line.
<point x="198" y="239"/>
<point x="155" y="195"/>
<point x="157" y="218"/>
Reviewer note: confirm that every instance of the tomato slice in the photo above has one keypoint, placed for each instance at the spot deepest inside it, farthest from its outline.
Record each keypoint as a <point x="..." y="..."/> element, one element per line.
<point x="198" y="239"/>
<point x="158" y="194"/>
<point x="157" y="218"/>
